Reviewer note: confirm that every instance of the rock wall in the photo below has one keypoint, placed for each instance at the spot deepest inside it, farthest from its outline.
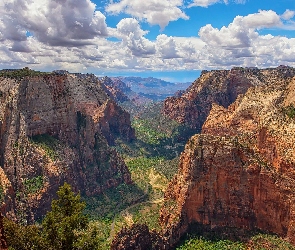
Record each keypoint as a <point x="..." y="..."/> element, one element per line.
<point x="57" y="128"/>
<point x="240" y="171"/>
<point x="221" y="87"/>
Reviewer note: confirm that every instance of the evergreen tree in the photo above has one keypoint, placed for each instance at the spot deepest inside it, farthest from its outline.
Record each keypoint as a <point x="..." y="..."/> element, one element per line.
<point x="60" y="226"/>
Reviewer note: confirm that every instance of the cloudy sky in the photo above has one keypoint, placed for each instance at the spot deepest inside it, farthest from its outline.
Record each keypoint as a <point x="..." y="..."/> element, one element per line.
<point x="169" y="39"/>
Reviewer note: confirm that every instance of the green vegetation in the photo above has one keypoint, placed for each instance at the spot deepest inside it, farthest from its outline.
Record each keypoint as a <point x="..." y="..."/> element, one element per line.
<point x="199" y="243"/>
<point x="65" y="227"/>
<point x="145" y="133"/>
<point x="48" y="143"/>
<point x="20" y="73"/>
<point x="256" y="242"/>
<point x="289" y="111"/>
<point x="2" y="194"/>
<point x="33" y="185"/>
<point x="128" y="204"/>
<point x="104" y="207"/>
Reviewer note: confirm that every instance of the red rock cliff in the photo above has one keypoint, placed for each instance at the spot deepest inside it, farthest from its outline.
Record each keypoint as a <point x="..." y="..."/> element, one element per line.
<point x="241" y="171"/>
<point x="221" y="87"/>
<point x="57" y="128"/>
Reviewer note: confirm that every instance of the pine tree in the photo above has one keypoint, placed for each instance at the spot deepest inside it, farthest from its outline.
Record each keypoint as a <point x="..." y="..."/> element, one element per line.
<point x="60" y="226"/>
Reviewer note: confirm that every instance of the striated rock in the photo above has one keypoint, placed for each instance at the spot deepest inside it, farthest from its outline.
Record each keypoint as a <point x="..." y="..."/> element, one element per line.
<point x="116" y="89"/>
<point x="56" y="128"/>
<point x="221" y="87"/>
<point x="241" y="171"/>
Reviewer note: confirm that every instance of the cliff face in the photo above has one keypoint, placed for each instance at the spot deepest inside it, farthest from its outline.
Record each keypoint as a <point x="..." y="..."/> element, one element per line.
<point x="221" y="87"/>
<point x="241" y="171"/>
<point x="57" y="128"/>
<point x="116" y="89"/>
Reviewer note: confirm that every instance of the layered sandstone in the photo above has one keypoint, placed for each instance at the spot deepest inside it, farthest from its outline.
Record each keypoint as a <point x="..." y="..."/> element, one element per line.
<point x="57" y="128"/>
<point x="221" y="87"/>
<point x="240" y="172"/>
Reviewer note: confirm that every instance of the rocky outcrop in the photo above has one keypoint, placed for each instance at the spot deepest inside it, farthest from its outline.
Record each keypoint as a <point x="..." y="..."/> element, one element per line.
<point x="221" y="87"/>
<point x="57" y="128"/>
<point x="137" y="237"/>
<point x="241" y="171"/>
<point x="116" y="89"/>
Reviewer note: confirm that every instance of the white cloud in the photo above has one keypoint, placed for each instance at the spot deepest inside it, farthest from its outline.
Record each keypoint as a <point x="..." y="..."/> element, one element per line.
<point x="57" y="23"/>
<point x="288" y="14"/>
<point x="128" y="29"/>
<point x="240" y="43"/>
<point x="153" y="11"/>
<point x="166" y="47"/>
<point x="262" y="19"/>
<point x="241" y="32"/>
<point x="205" y="3"/>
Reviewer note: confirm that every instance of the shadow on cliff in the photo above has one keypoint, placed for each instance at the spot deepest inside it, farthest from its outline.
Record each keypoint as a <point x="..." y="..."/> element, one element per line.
<point x="114" y="200"/>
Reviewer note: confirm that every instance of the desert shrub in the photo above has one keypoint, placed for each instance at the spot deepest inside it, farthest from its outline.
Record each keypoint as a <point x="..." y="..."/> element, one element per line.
<point x="289" y="111"/>
<point x="33" y="185"/>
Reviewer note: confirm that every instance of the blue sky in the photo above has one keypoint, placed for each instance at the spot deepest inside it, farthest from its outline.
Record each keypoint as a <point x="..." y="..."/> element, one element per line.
<point x="169" y="39"/>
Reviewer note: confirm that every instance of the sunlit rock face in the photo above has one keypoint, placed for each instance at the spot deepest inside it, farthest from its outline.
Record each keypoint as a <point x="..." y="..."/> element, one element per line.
<point x="57" y="128"/>
<point x="240" y="171"/>
<point x="221" y="87"/>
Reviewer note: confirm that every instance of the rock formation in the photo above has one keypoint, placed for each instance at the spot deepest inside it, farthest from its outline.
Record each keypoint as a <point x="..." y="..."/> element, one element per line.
<point x="116" y="89"/>
<point x="240" y="172"/>
<point x="56" y="128"/>
<point x="221" y="87"/>
<point x="137" y="237"/>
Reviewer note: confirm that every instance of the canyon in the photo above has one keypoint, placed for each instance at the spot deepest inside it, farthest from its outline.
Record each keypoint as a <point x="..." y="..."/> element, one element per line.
<point x="235" y="174"/>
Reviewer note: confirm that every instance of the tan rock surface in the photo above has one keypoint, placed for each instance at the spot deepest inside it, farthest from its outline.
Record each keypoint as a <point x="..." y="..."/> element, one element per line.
<point x="241" y="171"/>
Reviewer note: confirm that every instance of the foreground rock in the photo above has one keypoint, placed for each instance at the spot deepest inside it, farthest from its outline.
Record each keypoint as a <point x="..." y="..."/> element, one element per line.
<point x="57" y="128"/>
<point x="241" y="171"/>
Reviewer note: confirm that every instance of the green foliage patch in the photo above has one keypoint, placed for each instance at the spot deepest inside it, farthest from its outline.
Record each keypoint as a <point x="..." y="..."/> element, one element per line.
<point x="20" y="73"/>
<point x="256" y="242"/>
<point x="289" y="111"/>
<point x="48" y="143"/>
<point x="199" y="243"/>
<point x="104" y="207"/>
<point x="33" y="185"/>
<point x="2" y="194"/>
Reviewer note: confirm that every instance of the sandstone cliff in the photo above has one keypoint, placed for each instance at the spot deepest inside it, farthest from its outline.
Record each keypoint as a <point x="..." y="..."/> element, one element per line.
<point x="56" y="128"/>
<point x="241" y="171"/>
<point x="221" y="87"/>
<point x="116" y="89"/>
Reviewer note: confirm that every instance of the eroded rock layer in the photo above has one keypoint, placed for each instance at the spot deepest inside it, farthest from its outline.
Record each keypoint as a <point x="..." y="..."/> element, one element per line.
<point x="221" y="87"/>
<point x="57" y="128"/>
<point x="240" y="172"/>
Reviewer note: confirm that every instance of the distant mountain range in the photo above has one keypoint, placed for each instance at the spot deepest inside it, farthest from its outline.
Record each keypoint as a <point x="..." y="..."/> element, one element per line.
<point x="151" y="88"/>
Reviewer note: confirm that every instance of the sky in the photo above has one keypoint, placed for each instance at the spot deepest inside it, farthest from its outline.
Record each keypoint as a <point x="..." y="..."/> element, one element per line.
<point x="169" y="39"/>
